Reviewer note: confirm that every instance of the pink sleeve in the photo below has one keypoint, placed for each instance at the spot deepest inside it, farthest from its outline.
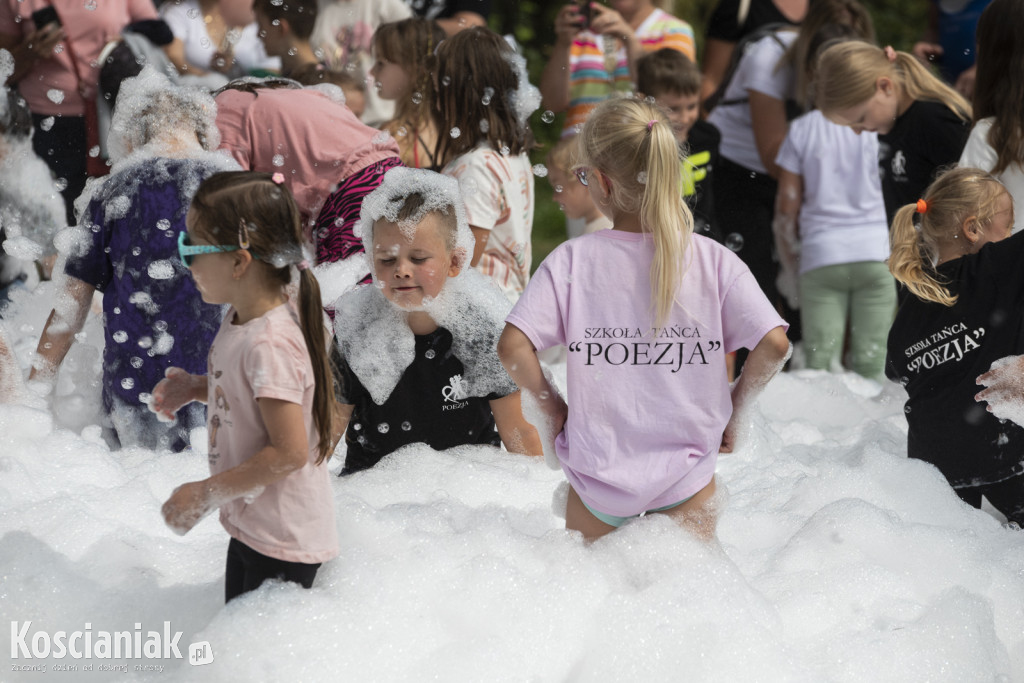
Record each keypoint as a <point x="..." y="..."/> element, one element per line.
<point x="277" y="369"/>
<point x="747" y="315"/>
<point x="539" y="311"/>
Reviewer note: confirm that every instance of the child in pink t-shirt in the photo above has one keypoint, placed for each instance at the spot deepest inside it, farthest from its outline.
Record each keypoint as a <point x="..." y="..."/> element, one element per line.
<point x="649" y="405"/>
<point x="268" y="386"/>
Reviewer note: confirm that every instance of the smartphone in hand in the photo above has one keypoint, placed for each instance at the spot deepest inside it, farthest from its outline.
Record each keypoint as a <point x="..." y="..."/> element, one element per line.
<point x="586" y="12"/>
<point x="45" y="16"/>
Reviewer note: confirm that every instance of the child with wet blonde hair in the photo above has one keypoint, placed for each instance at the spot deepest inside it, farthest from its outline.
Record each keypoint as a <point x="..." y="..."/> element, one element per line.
<point x="922" y="123"/>
<point x="416" y="359"/>
<point x="648" y="312"/>
<point x="962" y="312"/>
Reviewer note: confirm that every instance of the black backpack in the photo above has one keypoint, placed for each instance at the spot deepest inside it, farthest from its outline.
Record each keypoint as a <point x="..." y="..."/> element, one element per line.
<point x="717" y="98"/>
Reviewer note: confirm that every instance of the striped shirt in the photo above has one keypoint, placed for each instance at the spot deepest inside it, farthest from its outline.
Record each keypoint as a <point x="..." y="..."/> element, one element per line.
<point x="598" y="66"/>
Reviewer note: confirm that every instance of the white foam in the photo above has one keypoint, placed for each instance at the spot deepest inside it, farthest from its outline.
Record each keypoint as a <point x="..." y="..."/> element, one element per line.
<point x="838" y="560"/>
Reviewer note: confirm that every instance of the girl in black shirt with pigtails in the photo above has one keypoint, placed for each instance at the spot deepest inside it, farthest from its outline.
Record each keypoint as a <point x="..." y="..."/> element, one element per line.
<point x="963" y="309"/>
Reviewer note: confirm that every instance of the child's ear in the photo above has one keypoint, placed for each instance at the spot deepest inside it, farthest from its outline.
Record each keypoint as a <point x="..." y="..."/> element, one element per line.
<point x="971" y="229"/>
<point x="885" y="85"/>
<point x="240" y="262"/>
<point x="458" y="259"/>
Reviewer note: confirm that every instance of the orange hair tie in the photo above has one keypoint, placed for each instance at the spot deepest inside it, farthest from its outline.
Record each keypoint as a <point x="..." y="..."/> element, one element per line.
<point x="922" y="206"/>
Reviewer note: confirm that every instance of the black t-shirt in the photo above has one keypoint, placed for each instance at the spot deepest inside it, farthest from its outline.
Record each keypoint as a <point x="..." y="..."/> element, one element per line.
<point x="928" y="137"/>
<point x="446" y="9"/>
<point x="937" y="352"/>
<point x="426" y="406"/>
<point x="702" y="155"/>
<point x="722" y="24"/>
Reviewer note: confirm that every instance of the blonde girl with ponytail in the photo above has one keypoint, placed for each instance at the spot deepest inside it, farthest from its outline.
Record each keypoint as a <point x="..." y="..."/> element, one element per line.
<point x="648" y="311"/>
<point x="922" y="123"/>
<point x="961" y="312"/>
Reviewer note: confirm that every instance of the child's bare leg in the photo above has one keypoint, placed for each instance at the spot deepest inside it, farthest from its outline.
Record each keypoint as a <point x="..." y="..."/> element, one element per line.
<point x="578" y="518"/>
<point x="699" y="515"/>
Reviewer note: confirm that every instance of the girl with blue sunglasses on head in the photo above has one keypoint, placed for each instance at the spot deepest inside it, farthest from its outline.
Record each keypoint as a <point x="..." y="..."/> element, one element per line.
<point x="268" y="385"/>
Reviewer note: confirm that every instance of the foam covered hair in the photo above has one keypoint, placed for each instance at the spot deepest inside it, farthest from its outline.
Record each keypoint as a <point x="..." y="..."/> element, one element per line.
<point x="440" y="194"/>
<point x="149" y="103"/>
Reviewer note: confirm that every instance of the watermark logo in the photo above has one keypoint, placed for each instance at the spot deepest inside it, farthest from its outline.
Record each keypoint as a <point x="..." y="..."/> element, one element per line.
<point x="101" y="644"/>
<point x="200" y="653"/>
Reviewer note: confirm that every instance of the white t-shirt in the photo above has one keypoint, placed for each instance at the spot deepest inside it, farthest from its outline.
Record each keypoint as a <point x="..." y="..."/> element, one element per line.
<point x="979" y="154"/>
<point x="756" y="72"/>
<point x="186" y="21"/>
<point x="498" y="191"/>
<point x="343" y="33"/>
<point x="842" y="218"/>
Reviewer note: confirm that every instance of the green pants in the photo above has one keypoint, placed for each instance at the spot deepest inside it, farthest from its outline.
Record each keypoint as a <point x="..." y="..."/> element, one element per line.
<point x="863" y="291"/>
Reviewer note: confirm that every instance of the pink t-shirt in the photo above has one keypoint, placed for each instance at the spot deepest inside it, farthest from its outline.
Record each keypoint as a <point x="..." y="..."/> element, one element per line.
<point x="293" y="519"/>
<point x="314" y="141"/>
<point x="51" y="87"/>
<point x="647" y="406"/>
<point x="498" y="194"/>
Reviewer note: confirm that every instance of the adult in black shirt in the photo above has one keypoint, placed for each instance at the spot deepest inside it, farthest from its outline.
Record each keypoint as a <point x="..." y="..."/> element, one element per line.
<point x="730" y="22"/>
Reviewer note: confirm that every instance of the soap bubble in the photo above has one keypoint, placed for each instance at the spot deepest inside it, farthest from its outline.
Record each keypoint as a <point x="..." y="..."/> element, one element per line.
<point x="455" y="132"/>
<point x="120" y="336"/>
<point x="548" y="116"/>
<point x="488" y="95"/>
<point x="55" y="95"/>
<point x="540" y="170"/>
<point x="406" y="426"/>
<point x="278" y="160"/>
<point x="47" y="123"/>
<point x="383" y="428"/>
<point x="734" y="241"/>
<point x="417" y="97"/>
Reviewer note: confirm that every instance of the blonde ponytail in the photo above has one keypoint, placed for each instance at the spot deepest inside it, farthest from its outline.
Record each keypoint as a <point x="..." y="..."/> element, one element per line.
<point x="848" y="72"/>
<point x="909" y="251"/>
<point x="631" y="143"/>
<point x="955" y="197"/>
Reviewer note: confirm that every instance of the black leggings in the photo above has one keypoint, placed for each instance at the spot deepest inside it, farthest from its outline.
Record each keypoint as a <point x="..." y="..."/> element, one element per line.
<point x="248" y="569"/>
<point x="1006" y="496"/>
<point x="62" y="145"/>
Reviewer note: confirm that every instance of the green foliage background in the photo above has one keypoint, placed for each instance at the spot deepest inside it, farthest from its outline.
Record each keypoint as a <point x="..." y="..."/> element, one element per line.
<point x="897" y="22"/>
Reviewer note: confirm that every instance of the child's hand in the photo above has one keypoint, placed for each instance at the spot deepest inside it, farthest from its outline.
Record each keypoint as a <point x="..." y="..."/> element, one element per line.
<point x="729" y="435"/>
<point x="176" y="389"/>
<point x="1005" y="389"/>
<point x="187" y="505"/>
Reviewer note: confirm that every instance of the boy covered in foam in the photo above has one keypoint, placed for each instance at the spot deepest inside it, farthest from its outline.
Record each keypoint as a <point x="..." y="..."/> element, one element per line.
<point x="417" y="351"/>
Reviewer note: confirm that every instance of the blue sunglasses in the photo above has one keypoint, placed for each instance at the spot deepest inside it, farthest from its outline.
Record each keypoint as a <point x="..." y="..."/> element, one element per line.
<point x="187" y="251"/>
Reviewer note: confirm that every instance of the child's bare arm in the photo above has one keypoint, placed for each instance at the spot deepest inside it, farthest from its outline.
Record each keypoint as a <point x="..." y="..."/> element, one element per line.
<point x="763" y="363"/>
<point x="287" y="451"/>
<point x="342" y="415"/>
<point x="520" y="360"/>
<point x="518" y="435"/>
<point x="66" y="320"/>
<point x="176" y="389"/>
